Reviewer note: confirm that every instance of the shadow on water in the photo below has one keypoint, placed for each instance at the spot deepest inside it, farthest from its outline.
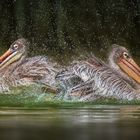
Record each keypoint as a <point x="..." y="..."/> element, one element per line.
<point x="86" y="123"/>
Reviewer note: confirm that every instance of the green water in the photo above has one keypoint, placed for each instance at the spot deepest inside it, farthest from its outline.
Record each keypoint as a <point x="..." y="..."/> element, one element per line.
<point x="66" y="123"/>
<point x="32" y="96"/>
<point x="28" y="115"/>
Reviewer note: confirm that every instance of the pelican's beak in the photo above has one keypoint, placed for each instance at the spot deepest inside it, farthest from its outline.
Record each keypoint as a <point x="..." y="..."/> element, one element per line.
<point x="9" y="57"/>
<point x="131" y="68"/>
<point x="5" y="55"/>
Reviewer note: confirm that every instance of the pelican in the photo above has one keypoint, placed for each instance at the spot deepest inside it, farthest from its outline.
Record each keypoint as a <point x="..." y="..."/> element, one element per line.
<point x="18" y="70"/>
<point x="122" y="62"/>
<point x="119" y="79"/>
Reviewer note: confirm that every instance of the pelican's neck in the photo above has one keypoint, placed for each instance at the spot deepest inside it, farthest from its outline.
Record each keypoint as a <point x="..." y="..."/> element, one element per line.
<point x="123" y="75"/>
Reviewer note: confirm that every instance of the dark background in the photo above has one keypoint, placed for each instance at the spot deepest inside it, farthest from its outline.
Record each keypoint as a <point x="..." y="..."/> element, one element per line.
<point x="67" y="28"/>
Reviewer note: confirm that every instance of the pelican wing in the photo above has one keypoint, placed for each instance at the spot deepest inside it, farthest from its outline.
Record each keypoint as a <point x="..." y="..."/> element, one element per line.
<point x="106" y="82"/>
<point x="35" y="69"/>
<point x="99" y="79"/>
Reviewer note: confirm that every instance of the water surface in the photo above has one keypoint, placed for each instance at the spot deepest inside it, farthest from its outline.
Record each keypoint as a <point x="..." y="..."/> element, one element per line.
<point x="79" y="123"/>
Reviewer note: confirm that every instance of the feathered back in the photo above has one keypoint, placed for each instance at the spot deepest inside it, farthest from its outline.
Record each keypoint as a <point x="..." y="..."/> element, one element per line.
<point x="36" y="69"/>
<point x="85" y="69"/>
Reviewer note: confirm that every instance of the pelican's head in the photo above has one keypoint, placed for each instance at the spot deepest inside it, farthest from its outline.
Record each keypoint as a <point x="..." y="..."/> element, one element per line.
<point x="15" y="53"/>
<point x="120" y="58"/>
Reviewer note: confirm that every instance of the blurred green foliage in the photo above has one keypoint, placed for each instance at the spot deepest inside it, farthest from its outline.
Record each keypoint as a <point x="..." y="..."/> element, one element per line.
<point x="66" y="28"/>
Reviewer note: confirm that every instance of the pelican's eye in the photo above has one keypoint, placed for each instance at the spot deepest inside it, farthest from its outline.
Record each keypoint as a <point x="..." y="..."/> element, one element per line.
<point x="126" y="55"/>
<point x="14" y="47"/>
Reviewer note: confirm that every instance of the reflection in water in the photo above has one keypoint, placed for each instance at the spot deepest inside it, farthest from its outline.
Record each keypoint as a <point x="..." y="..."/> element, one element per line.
<point x="94" y="122"/>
